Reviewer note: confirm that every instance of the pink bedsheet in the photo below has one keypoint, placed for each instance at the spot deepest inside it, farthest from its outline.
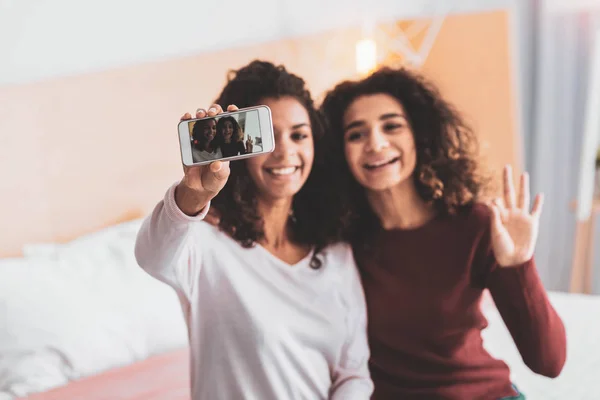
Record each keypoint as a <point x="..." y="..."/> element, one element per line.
<point x="162" y="377"/>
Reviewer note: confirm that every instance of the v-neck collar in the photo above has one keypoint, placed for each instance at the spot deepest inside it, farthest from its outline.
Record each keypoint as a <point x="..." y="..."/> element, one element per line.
<point x="305" y="260"/>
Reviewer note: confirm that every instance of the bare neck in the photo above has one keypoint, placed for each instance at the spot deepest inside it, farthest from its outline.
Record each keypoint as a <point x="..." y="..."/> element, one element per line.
<point x="400" y="207"/>
<point x="207" y="147"/>
<point x="275" y="215"/>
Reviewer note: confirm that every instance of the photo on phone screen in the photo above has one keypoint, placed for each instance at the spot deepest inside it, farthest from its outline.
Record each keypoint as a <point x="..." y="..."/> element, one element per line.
<point x="231" y="135"/>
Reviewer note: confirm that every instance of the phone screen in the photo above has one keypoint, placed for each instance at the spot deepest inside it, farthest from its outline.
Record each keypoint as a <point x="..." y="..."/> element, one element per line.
<point x="231" y="135"/>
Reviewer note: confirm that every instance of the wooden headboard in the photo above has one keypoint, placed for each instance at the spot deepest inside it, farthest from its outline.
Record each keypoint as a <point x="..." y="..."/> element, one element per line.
<point x="84" y="152"/>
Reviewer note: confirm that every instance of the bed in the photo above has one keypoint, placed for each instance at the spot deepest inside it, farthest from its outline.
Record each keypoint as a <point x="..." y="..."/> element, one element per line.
<point x="81" y="320"/>
<point x="164" y="376"/>
<point x="580" y="378"/>
<point x="73" y="311"/>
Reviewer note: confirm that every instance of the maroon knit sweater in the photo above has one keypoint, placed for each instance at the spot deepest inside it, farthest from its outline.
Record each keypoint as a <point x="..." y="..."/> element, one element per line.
<point x="423" y="288"/>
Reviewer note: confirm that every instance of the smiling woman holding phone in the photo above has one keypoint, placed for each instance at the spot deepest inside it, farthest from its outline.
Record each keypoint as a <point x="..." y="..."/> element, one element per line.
<point x="272" y="300"/>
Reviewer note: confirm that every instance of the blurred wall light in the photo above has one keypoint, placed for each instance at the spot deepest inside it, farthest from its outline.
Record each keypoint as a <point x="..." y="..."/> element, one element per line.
<point x="366" y="56"/>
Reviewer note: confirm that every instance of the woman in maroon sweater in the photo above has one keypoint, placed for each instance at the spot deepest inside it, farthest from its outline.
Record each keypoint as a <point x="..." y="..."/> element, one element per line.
<point x="428" y="247"/>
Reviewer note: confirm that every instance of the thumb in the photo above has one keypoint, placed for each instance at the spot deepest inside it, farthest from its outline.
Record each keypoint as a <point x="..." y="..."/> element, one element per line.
<point x="220" y="169"/>
<point x="496" y="218"/>
<point x="216" y="176"/>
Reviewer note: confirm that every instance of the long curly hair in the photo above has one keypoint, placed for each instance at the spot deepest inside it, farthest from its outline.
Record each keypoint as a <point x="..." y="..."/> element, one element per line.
<point x="447" y="173"/>
<point x="315" y="213"/>
<point x="238" y="133"/>
<point x="199" y="140"/>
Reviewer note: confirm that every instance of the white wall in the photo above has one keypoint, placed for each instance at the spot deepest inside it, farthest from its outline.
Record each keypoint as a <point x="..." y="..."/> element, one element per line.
<point x="252" y="127"/>
<point x="40" y="39"/>
<point x="571" y="5"/>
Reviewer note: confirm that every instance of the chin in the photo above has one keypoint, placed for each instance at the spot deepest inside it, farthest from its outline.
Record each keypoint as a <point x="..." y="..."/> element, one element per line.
<point x="380" y="185"/>
<point x="280" y="194"/>
<point x="279" y="191"/>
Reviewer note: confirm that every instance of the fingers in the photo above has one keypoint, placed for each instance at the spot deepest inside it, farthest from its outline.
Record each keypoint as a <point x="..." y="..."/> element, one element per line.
<point x="496" y="216"/>
<point x="190" y="169"/>
<point x="212" y="219"/>
<point x="509" y="189"/>
<point x="499" y="203"/>
<point x="191" y="176"/>
<point x="201" y="113"/>
<point x="524" y="196"/>
<point x="185" y="116"/>
<point x="212" y="111"/>
<point x="538" y="202"/>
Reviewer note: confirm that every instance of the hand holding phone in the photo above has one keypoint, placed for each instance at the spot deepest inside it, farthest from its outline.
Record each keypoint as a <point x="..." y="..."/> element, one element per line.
<point x="201" y="183"/>
<point x="220" y="136"/>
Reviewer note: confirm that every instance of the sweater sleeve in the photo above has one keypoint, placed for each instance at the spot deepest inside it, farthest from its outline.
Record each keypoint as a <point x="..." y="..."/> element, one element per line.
<point x="534" y="324"/>
<point x="351" y="377"/>
<point x="164" y="248"/>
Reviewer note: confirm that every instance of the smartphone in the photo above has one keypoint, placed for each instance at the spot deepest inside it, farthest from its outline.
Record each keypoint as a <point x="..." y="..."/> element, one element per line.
<point x="228" y="136"/>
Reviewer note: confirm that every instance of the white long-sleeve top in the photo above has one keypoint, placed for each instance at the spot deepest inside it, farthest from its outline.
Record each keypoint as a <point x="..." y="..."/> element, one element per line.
<point x="258" y="327"/>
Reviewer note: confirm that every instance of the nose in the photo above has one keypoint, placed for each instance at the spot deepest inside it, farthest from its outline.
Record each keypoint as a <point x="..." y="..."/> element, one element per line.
<point x="284" y="148"/>
<point x="377" y="141"/>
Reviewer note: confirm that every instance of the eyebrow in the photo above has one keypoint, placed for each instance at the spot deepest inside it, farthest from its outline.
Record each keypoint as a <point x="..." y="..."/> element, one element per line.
<point x="303" y="124"/>
<point x="392" y="115"/>
<point x="383" y="117"/>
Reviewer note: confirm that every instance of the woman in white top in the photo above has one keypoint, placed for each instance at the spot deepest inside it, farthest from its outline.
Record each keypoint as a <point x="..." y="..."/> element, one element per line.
<point x="272" y="300"/>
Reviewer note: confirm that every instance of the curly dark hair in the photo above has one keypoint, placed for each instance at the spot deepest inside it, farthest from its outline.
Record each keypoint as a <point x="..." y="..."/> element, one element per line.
<point x="447" y="170"/>
<point x="314" y="220"/>
<point x="237" y="135"/>
<point x="199" y="139"/>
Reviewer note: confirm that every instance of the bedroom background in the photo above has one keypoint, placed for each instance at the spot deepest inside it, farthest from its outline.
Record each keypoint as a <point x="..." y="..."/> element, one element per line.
<point x="90" y="94"/>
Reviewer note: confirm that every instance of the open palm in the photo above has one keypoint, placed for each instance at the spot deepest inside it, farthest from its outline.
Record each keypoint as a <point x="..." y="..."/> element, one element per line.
<point x="514" y="226"/>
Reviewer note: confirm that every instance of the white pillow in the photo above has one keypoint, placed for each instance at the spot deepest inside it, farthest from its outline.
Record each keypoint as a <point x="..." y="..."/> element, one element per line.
<point x="125" y="230"/>
<point x="76" y="309"/>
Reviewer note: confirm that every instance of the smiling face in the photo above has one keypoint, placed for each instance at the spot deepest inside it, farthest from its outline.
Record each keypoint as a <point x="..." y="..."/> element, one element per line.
<point x="227" y="131"/>
<point x="282" y="173"/>
<point x="209" y="129"/>
<point x="203" y="133"/>
<point x="378" y="142"/>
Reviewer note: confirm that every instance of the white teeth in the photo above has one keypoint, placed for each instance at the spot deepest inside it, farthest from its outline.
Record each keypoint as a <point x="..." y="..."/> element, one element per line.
<point x="379" y="163"/>
<point x="283" y="171"/>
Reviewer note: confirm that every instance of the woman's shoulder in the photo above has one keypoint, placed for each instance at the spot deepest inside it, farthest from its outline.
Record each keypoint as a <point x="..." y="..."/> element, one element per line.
<point x="346" y="276"/>
<point x="339" y="258"/>
<point x="338" y="251"/>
